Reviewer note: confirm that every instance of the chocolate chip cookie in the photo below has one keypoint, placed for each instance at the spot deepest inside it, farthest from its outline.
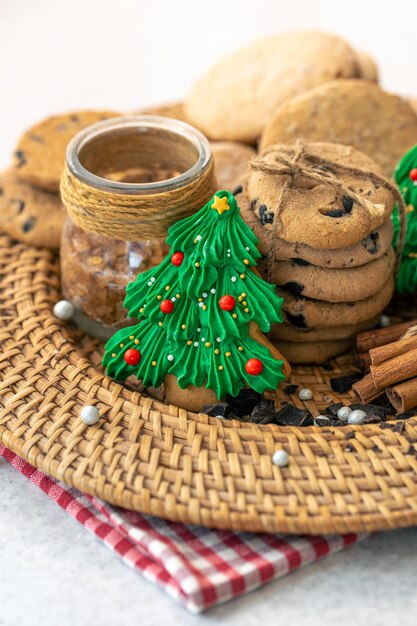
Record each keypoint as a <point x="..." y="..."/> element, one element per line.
<point x="29" y="214"/>
<point x="357" y="113"/>
<point x="238" y="95"/>
<point x="286" y="332"/>
<point x="40" y="154"/>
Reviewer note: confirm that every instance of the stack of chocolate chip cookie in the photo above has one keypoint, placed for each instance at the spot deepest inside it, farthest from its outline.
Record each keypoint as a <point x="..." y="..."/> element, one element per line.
<point x="322" y="214"/>
<point x="30" y="207"/>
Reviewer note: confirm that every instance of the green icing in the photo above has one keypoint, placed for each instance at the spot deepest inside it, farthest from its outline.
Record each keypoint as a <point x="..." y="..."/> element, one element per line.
<point x="219" y="251"/>
<point x="407" y="275"/>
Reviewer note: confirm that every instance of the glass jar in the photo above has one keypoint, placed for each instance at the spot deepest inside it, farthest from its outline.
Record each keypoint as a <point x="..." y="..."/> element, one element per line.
<point x="136" y="156"/>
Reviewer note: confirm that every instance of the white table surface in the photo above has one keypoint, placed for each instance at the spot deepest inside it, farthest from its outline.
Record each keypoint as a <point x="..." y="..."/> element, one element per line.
<point x="58" y="56"/>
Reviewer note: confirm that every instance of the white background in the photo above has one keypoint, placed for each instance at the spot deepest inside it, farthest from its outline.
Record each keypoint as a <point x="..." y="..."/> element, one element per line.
<point x="59" y="55"/>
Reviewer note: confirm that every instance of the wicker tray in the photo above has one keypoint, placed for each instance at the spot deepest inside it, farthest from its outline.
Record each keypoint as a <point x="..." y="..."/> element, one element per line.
<point x="161" y="460"/>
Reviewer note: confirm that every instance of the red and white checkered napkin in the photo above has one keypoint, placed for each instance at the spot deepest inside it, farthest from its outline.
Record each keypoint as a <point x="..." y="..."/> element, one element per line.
<point x="197" y="566"/>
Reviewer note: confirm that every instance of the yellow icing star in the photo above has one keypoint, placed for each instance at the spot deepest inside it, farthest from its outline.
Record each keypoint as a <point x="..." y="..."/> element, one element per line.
<point x="220" y="205"/>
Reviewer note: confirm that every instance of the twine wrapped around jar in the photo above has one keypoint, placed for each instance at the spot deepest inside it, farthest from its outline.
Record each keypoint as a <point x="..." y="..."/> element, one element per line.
<point x="134" y="211"/>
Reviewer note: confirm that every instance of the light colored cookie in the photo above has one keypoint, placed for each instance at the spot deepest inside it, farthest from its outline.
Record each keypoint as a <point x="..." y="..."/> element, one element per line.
<point x="317" y="213"/>
<point x="40" y="154"/>
<point x="286" y="332"/>
<point x="314" y="352"/>
<point x="29" y="214"/>
<point x="307" y="313"/>
<point x="231" y="164"/>
<point x="176" y="110"/>
<point x="352" y="112"/>
<point x="238" y="95"/>
<point x="372" y="247"/>
<point x="413" y="104"/>
<point x="367" y="67"/>
<point x="331" y="285"/>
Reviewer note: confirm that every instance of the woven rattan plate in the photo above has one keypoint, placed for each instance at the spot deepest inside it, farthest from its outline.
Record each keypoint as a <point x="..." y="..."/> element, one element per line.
<point x="161" y="460"/>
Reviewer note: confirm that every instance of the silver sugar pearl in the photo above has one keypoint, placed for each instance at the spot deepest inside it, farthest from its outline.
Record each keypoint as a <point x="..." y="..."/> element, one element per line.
<point x="305" y="394"/>
<point x="357" y="417"/>
<point x="343" y="413"/>
<point x="280" y="458"/>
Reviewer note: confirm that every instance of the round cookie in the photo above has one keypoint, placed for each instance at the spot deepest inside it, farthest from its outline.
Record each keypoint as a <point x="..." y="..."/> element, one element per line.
<point x="231" y="161"/>
<point x="367" y="67"/>
<point x="40" y="154"/>
<point x="357" y="113"/>
<point x="314" y="352"/>
<point x="372" y="247"/>
<point x="316" y="213"/>
<point x="29" y="214"/>
<point x="286" y="332"/>
<point x="332" y="285"/>
<point x="238" y="95"/>
<point x="309" y="313"/>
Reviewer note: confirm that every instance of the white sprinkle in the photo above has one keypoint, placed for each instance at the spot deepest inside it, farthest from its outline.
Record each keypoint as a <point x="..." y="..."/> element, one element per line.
<point x="205" y="295"/>
<point x="233" y="279"/>
<point x="247" y="248"/>
<point x="213" y="290"/>
<point x="320" y="417"/>
<point x="305" y="394"/>
<point x="280" y="458"/>
<point x="203" y="339"/>
<point x="357" y="417"/>
<point x="150" y="283"/>
<point x="196" y="344"/>
<point x="229" y="255"/>
<point x="90" y="415"/>
<point x="385" y="321"/>
<point x="198" y="237"/>
<point x="218" y="339"/>
<point x="153" y="279"/>
<point x="228" y="249"/>
<point x="173" y="299"/>
<point x="170" y="357"/>
<point x="201" y="304"/>
<point x="343" y="413"/>
<point x="64" y="310"/>
<point x="199" y="330"/>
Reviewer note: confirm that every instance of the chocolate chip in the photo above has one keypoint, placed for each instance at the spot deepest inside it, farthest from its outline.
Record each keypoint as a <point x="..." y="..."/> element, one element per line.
<point x="333" y="408"/>
<point x="75" y="118"/>
<point x="335" y="213"/>
<point x="264" y="412"/>
<point x="300" y="261"/>
<point x="291" y="415"/>
<point x="237" y="190"/>
<point x="253" y="204"/>
<point x="20" y="156"/>
<point x="344" y="383"/>
<point x="347" y="203"/>
<point x="266" y="218"/>
<point x="29" y="224"/>
<point x="20" y="205"/>
<point x="319" y="421"/>
<point x="289" y="389"/>
<point x="374" y="236"/>
<point x="292" y="287"/>
<point x="296" y="320"/>
<point x="245" y="402"/>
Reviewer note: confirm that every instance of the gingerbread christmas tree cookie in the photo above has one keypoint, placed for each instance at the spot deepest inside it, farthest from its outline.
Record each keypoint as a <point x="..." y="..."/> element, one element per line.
<point x="201" y="312"/>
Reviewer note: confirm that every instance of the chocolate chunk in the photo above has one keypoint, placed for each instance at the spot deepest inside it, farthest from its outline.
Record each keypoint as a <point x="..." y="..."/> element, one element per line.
<point x="20" y="156"/>
<point x="289" y="389"/>
<point x="20" y="205"/>
<point x="399" y="427"/>
<point x="344" y="383"/>
<point x="245" y="402"/>
<point x="319" y="421"/>
<point x="335" y="213"/>
<point x="299" y="261"/>
<point x="264" y="412"/>
<point x="347" y="204"/>
<point x="266" y="218"/>
<point x="333" y="408"/>
<point x="296" y="320"/>
<point x="237" y="190"/>
<point x="221" y="408"/>
<point x="291" y="415"/>
<point x="350" y="435"/>
<point x="29" y="224"/>
<point x="292" y="287"/>
<point x="405" y="416"/>
<point x="411" y="450"/>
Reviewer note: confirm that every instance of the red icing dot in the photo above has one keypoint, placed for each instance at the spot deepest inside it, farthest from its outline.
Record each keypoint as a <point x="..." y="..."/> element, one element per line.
<point x="254" y="367"/>
<point x="177" y="258"/>
<point x="166" y="306"/>
<point x="132" y="356"/>
<point x="227" y="303"/>
<point x="413" y="174"/>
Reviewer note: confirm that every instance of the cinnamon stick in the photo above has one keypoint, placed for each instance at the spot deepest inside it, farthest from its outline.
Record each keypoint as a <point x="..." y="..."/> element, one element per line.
<point x="364" y="361"/>
<point x="403" y="396"/>
<point x="391" y="350"/>
<point x="380" y="336"/>
<point x="366" y="390"/>
<point x="395" y="370"/>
